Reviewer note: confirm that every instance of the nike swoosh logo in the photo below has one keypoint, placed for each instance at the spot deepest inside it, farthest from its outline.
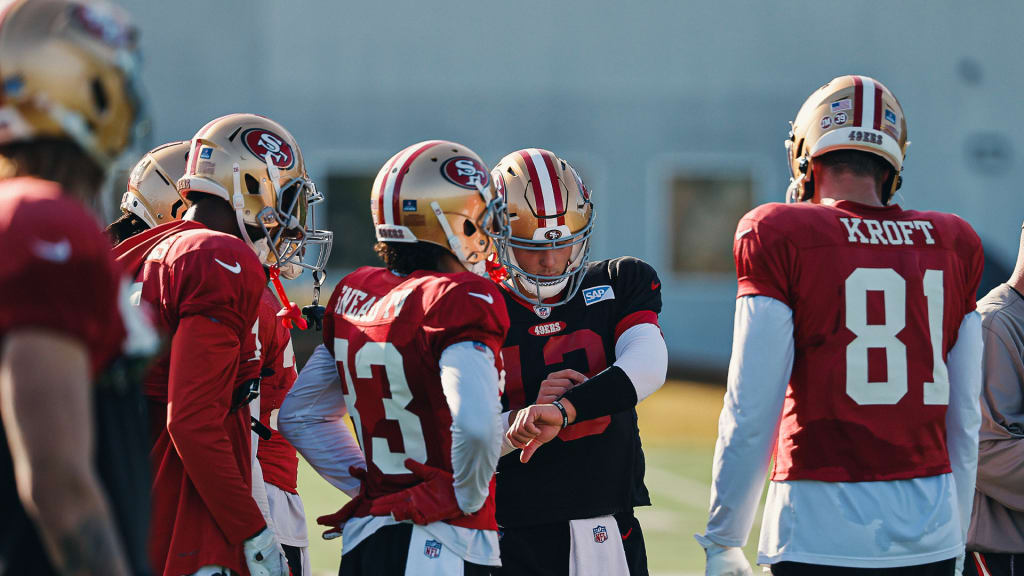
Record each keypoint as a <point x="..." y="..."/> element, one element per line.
<point x="233" y="269"/>
<point x="58" y="252"/>
<point x="654" y="285"/>
<point x="485" y="297"/>
<point x="744" y="233"/>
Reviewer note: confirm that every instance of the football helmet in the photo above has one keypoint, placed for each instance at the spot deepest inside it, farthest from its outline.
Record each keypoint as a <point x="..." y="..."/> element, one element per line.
<point x="69" y="70"/>
<point x="547" y="206"/>
<point x="152" y="194"/>
<point x="438" y="192"/>
<point x="848" y="113"/>
<point x="256" y="166"/>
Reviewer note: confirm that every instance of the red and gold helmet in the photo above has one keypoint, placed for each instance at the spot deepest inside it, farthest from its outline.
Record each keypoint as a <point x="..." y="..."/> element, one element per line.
<point x="848" y="113"/>
<point x="437" y="192"/>
<point x="256" y="166"/>
<point x="152" y="194"/>
<point x="69" y="71"/>
<point x="547" y="206"/>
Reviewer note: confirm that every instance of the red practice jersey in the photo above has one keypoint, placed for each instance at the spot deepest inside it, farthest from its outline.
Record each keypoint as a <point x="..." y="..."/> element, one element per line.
<point x="277" y="456"/>
<point x="878" y="295"/>
<point x="387" y="333"/>
<point x="57" y="272"/>
<point x="205" y="287"/>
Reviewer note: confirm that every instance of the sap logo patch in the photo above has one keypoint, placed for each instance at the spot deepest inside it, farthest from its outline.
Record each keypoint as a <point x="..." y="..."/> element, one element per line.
<point x="409" y="205"/>
<point x="890" y="116"/>
<point x="597" y="294"/>
<point x="206" y="153"/>
<point x="432" y="549"/>
<point x="600" y="534"/>
<point x="547" y="329"/>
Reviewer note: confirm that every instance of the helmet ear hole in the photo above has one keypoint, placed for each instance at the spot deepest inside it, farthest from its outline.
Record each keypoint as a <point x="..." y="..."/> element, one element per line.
<point x="99" y="96"/>
<point x="252" y="186"/>
<point x="468" y="228"/>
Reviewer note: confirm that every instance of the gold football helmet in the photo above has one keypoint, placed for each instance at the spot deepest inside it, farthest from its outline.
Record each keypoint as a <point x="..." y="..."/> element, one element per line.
<point x="437" y="192"/>
<point x="848" y="113"/>
<point x="547" y="206"/>
<point x="256" y="166"/>
<point x="69" y="70"/>
<point x="152" y="194"/>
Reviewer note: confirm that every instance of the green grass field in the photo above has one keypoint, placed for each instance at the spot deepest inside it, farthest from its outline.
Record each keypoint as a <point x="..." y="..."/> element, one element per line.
<point x="678" y="425"/>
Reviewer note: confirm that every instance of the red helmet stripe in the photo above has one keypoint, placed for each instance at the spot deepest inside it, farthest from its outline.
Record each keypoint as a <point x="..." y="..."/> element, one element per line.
<point x="858" y="100"/>
<point x="193" y="157"/>
<point x="396" y="206"/>
<point x="878" y="107"/>
<point x="556" y="190"/>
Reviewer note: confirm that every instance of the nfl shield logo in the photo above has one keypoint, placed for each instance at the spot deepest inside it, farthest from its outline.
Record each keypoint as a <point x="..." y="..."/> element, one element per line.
<point x="432" y="549"/>
<point x="600" y="534"/>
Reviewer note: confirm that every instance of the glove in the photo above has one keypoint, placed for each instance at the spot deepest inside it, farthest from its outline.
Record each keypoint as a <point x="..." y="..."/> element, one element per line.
<point x="356" y="506"/>
<point x="724" y="560"/>
<point x="432" y="500"/>
<point x="960" y="564"/>
<point x="264" y="556"/>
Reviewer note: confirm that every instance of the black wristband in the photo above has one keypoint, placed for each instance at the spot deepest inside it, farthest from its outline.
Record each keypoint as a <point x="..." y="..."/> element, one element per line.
<point x="609" y="392"/>
<point x="565" y="415"/>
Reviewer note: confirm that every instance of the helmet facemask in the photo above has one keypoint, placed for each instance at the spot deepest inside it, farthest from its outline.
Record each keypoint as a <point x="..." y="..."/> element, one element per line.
<point x="539" y="289"/>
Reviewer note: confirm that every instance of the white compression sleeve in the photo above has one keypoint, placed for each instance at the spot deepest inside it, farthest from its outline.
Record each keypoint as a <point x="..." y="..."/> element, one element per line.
<point x="312" y="419"/>
<point x="759" y="371"/>
<point x="641" y="353"/>
<point x="470" y="383"/>
<point x="963" y="417"/>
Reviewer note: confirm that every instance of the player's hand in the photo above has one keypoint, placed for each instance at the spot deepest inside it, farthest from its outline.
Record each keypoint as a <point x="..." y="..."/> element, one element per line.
<point x="359" y="504"/>
<point x="724" y="560"/>
<point x="534" y="426"/>
<point x="432" y="500"/>
<point x="557" y="384"/>
<point x="264" y="556"/>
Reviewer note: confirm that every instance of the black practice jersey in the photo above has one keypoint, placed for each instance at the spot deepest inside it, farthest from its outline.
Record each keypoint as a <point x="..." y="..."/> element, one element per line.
<point x="595" y="467"/>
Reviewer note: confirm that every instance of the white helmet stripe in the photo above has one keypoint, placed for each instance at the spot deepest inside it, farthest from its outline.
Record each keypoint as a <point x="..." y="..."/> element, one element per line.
<point x="547" y="194"/>
<point x="867" y="117"/>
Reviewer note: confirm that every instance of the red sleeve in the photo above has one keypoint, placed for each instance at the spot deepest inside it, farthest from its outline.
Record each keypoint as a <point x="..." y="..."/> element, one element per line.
<point x="58" y="274"/>
<point x="468" y="312"/>
<point x="204" y="363"/>
<point x="764" y="260"/>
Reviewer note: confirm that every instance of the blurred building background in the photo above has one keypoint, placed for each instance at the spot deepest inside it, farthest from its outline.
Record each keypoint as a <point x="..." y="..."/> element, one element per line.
<point x="673" y="111"/>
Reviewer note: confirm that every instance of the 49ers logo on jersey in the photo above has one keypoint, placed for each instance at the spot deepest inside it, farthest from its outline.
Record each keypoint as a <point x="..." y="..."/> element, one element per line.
<point x="263" y="142"/>
<point x="547" y="329"/>
<point x="465" y="172"/>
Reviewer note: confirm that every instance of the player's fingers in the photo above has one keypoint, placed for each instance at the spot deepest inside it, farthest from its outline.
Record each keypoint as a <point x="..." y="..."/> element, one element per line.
<point x="528" y="451"/>
<point x="569" y="374"/>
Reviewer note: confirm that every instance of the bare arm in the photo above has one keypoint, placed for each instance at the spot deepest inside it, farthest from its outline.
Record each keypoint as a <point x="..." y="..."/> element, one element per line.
<point x="53" y="459"/>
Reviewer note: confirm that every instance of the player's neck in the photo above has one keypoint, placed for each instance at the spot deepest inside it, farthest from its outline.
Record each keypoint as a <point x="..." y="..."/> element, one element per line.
<point x="215" y="215"/>
<point x="832" y="187"/>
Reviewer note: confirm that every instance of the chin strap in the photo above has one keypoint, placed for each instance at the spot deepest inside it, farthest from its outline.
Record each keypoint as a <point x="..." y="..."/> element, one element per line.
<point x="290" y="312"/>
<point x="315" y="312"/>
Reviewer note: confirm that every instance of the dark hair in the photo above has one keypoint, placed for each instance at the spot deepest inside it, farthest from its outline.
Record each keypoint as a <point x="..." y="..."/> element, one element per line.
<point x="56" y="159"/>
<point x="125" y="227"/>
<point x="857" y="163"/>
<point x="407" y="258"/>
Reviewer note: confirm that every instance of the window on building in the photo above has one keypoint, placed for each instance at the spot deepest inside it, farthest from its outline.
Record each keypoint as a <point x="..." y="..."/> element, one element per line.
<point x="704" y="212"/>
<point x="347" y="208"/>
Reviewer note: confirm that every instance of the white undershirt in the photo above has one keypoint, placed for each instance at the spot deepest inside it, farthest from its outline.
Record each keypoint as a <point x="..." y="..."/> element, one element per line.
<point x="855" y="524"/>
<point x="311" y="418"/>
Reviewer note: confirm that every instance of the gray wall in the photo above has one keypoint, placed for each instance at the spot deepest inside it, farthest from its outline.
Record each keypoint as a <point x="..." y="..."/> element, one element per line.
<point x="626" y="90"/>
